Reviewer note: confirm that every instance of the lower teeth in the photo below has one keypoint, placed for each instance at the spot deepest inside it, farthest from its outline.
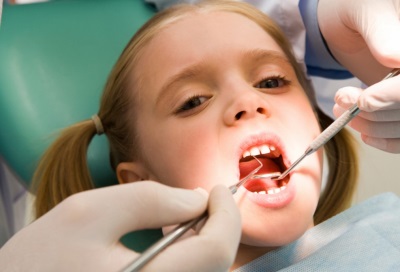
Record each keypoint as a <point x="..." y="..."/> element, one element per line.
<point x="271" y="191"/>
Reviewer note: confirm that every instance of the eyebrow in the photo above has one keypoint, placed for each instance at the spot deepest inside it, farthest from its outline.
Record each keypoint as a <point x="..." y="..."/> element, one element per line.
<point x="194" y="71"/>
<point x="186" y="74"/>
<point x="262" y="55"/>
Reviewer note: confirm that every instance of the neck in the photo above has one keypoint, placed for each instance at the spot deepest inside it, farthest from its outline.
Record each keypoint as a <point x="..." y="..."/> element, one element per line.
<point x="248" y="253"/>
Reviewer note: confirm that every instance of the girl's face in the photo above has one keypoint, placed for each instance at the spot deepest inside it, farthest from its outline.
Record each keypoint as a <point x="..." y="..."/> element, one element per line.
<point x="213" y="87"/>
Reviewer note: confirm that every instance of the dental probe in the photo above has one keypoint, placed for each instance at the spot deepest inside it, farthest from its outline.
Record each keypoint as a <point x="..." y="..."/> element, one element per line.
<point x="168" y="239"/>
<point x="331" y="131"/>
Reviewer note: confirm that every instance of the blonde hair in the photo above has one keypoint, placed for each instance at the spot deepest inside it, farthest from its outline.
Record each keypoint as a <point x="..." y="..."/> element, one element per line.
<point x="63" y="169"/>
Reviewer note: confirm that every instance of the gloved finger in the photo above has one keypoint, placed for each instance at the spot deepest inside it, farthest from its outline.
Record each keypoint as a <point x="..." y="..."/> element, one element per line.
<point x="388" y="145"/>
<point x="347" y="96"/>
<point x="223" y="212"/>
<point x="382" y="95"/>
<point x="382" y="115"/>
<point x="214" y="249"/>
<point x="381" y="31"/>
<point x="376" y="129"/>
<point x="116" y="210"/>
<point x="377" y="116"/>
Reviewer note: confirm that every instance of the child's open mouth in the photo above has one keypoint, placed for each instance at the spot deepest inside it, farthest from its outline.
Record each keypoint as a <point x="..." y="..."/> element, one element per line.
<point x="272" y="160"/>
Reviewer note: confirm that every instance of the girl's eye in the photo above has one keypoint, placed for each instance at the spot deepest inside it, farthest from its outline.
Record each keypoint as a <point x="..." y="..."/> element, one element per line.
<point x="272" y="82"/>
<point x="192" y="103"/>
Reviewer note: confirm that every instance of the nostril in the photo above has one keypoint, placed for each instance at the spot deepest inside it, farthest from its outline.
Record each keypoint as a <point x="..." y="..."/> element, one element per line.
<point x="261" y="110"/>
<point x="239" y="115"/>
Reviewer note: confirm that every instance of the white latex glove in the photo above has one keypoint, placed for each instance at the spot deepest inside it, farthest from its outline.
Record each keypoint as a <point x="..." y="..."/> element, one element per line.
<point x="379" y="119"/>
<point x="363" y="35"/>
<point x="82" y="233"/>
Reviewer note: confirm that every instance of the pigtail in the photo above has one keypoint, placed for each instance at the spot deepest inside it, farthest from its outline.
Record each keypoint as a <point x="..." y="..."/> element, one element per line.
<point x="343" y="173"/>
<point x="63" y="169"/>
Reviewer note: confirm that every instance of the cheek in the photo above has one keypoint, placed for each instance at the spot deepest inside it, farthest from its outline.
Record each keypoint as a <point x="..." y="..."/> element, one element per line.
<point x="305" y="117"/>
<point x="181" y="153"/>
<point x="299" y="120"/>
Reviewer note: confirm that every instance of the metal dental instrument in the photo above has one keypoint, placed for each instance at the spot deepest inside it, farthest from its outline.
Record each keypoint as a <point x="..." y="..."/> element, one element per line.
<point x="236" y="186"/>
<point x="168" y="239"/>
<point x="273" y="175"/>
<point x="331" y="131"/>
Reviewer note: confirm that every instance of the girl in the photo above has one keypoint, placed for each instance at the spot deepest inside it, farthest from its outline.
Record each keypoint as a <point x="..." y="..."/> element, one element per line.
<point x="197" y="92"/>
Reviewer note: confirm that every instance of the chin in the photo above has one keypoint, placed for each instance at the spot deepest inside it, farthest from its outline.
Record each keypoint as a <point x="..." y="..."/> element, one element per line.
<point x="275" y="228"/>
<point x="273" y="240"/>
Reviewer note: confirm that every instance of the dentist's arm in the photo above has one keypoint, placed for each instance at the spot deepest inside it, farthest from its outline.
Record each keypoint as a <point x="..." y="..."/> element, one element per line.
<point x="82" y="233"/>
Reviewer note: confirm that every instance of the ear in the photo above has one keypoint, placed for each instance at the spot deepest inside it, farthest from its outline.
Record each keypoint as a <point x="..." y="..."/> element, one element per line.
<point x="131" y="172"/>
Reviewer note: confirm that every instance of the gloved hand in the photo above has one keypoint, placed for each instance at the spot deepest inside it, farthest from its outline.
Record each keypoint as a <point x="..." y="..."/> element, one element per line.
<point x="82" y="232"/>
<point x="379" y="119"/>
<point x="363" y="35"/>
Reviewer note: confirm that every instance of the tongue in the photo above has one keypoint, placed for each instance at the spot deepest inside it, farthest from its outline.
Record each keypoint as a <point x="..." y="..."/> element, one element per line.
<point x="269" y="166"/>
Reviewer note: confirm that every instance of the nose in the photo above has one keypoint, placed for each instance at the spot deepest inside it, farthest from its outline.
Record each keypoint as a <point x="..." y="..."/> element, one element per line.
<point x="245" y="105"/>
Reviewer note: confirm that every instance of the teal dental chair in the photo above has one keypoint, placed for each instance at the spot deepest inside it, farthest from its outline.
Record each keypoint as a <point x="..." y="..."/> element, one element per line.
<point x="54" y="60"/>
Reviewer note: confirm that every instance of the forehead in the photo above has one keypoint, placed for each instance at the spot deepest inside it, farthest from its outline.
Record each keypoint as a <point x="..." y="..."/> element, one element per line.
<point x="213" y="36"/>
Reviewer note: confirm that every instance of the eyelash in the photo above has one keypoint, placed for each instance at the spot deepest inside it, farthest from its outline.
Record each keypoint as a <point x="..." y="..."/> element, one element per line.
<point x="191" y="99"/>
<point x="284" y="82"/>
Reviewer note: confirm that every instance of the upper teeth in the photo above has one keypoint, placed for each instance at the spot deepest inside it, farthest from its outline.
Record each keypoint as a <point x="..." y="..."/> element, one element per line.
<point x="258" y="150"/>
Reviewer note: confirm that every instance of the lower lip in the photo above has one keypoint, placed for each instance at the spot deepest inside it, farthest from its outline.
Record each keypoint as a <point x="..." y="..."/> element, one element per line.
<point x="274" y="201"/>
